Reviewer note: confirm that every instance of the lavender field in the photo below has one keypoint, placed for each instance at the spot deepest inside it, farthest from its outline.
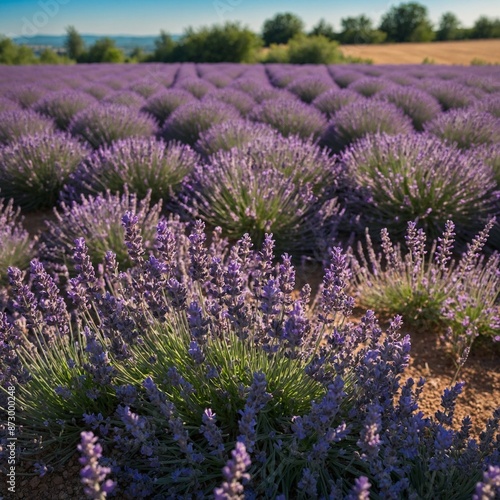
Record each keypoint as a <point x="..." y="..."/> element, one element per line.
<point x="157" y="325"/>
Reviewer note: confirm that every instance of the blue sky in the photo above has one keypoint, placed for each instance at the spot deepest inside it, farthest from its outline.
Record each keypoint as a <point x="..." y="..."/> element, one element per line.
<point x="148" y="17"/>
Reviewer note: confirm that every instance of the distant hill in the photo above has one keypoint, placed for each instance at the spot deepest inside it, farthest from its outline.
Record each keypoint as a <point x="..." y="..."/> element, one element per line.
<point x="124" y="42"/>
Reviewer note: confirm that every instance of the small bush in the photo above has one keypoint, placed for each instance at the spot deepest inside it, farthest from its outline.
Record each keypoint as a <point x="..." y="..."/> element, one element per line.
<point x="195" y="86"/>
<point x="27" y="95"/>
<point x="8" y="105"/>
<point x="291" y="117"/>
<point x="465" y="128"/>
<point x="370" y="86"/>
<point x="144" y="165"/>
<point x="35" y="168"/>
<point x="145" y="89"/>
<point x="239" y="99"/>
<point x="103" y="124"/>
<point x="126" y="98"/>
<point x="451" y="95"/>
<point x="313" y="50"/>
<point x="188" y="121"/>
<point x="490" y="104"/>
<point x="16" y="244"/>
<point x="62" y="106"/>
<point x="309" y="87"/>
<point x="362" y="118"/>
<point x="163" y="104"/>
<point x="98" y="219"/>
<point x="414" y="177"/>
<point x="331" y="101"/>
<point x="15" y="124"/>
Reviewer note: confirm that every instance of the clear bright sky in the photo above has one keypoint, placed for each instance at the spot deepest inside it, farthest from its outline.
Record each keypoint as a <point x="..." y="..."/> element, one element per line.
<point x="148" y="17"/>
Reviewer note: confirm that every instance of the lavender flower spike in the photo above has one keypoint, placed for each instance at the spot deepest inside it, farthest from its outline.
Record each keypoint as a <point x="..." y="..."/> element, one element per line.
<point x="92" y="473"/>
<point x="234" y="472"/>
<point x="489" y="487"/>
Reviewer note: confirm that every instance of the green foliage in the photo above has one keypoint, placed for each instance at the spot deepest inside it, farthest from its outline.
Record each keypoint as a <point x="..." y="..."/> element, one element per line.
<point x="49" y="56"/>
<point x="407" y="22"/>
<point x="10" y="53"/>
<point x="277" y="53"/>
<point x="486" y="27"/>
<point x="74" y="44"/>
<point x="313" y="50"/>
<point x="359" y="30"/>
<point x="281" y="28"/>
<point x="164" y="48"/>
<point x="227" y="43"/>
<point x="449" y="27"/>
<point x="104" y="50"/>
<point x="324" y="29"/>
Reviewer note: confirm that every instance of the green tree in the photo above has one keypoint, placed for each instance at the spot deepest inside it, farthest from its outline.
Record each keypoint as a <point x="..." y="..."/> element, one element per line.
<point x="164" y="48"/>
<point x="324" y="29"/>
<point x="227" y="43"/>
<point x="359" y="30"/>
<point x="449" y="27"/>
<point x="281" y="28"/>
<point x="49" y="56"/>
<point x="407" y="22"/>
<point x="313" y="50"/>
<point x="74" y="44"/>
<point x="10" y="53"/>
<point x="105" y="50"/>
<point x="486" y="27"/>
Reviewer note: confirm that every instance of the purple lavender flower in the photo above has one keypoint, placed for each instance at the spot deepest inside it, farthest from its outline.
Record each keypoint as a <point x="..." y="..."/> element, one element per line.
<point x="235" y="475"/>
<point x="164" y="103"/>
<point x="103" y="124"/>
<point x="8" y="105"/>
<point x="333" y="100"/>
<point x="26" y="95"/>
<point x="362" y="118"/>
<point x="308" y="88"/>
<point x="489" y="487"/>
<point x="35" y="168"/>
<point x="93" y="475"/>
<point x="490" y="104"/>
<point x="196" y="86"/>
<point x="450" y="94"/>
<point x="126" y="98"/>
<point x="14" y="124"/>
<point x="188" y="121"/>
<point x="237" y="98"/>
<point x="370" y="86"/>
<point x="291" y="117"/>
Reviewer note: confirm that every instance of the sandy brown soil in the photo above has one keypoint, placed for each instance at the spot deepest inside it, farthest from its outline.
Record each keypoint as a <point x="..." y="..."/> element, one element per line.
<point x="460" y="52"/>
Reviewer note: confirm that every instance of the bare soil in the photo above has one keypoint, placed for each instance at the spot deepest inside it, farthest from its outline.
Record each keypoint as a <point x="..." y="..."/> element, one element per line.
<point x="459" y="52"/>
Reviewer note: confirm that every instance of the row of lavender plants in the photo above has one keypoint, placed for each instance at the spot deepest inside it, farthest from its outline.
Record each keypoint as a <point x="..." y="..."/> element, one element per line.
<point x="201" y="368"/>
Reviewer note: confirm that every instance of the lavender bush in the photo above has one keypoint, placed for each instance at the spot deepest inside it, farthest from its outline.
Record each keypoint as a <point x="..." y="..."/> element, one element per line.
<point x="363" y="118"/>
<point x="62" y="106"/>
<point x="331" y="101"/>
<point x="98" y="220"/>
<point x="163" y="104"/>
<point x="291" y="117"/>
<point x="370" y="86"/>
<point x="14" y="124"/>
<point x="308" y="88"/>
<point x="237" y="98"/>
<point x="103" y="124"/>
<point x="414" y="177"/>
<point x="490" y="104"/>
<point x="16" y="245"/>
<point x="8" y="105"/>
<point x="195" y="86"/>
<point x="126" y="98"/>
<point x="142" y="164"/>
<point x="206" y="376"/>
<point x="432" y="290"/>
<point x="466" y="128"/>
<point x="188" y="121"/>
<point x="451" y="95"/>
<point x="35" y="168"/>
<point x="26" y="95"/>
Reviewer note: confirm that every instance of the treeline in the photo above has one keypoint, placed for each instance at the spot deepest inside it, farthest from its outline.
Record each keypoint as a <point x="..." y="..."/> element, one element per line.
<point x="283" y="39"/>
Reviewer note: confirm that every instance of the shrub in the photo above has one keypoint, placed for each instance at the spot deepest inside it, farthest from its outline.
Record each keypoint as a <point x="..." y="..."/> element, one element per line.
<point x="98" y="220"/>
<point x="232" y="134"/>
<point x="273" y="186"/>
<point x="451" y="95"/>
<point x="14" y="124"/>
<point x="362" y="118"/>
<point x="196" y="86"/>
<point x="143" y="164"/>
<point x="145" y="88"/>
<point x="98" y="90"/>
<point x="490" y="104"/>
<point x="188" y="121"/>
<point x="309" y="87"/>
<point x="103" y="124"/>
<point x="313" y="50"/>
<point x="183" y="362"/>
<point x="163" y="104"/>
<point x="466" y="128"/>
<point x="62" y="106"/>
<point x="417" y="104"/>
<point x="343" y="78"/>
<point x="490" y="155"/>
<point x="413" y="177"/>
<point x="331" y="101"/>
<point x="431" y="290"/>
<point x="35" y="168"/>
<point x="8" y="105"/>
<point x="239" y="99"/>
<point x="369" y="85"/>
<point x="126" y="98"/>
<point x="27" y="95"/>
<point x="16" y="244"/>
<point x="290" y="117"/>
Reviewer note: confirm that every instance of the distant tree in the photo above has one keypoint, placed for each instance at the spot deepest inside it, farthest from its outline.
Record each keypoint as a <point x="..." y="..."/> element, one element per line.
<point x="281" y="28"/>
<point x="486" y="27"/>
<point x="164" y="48"/>
<point x="10" y="53"/>
<point x="449" y="27"/>
<point x="49" y="56"/>
<point x="407" y="22"/>
<point x="105" y="50"/>
<point x="359" y="30"/>
<point x="74" y="44"/>
<point x="323" y="29"/>
<point x="313" y="50"/>
<point x="227" y="43"/>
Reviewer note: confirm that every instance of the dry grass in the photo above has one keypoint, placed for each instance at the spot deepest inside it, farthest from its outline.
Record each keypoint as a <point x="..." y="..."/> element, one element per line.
<point x="461" y="52"/>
